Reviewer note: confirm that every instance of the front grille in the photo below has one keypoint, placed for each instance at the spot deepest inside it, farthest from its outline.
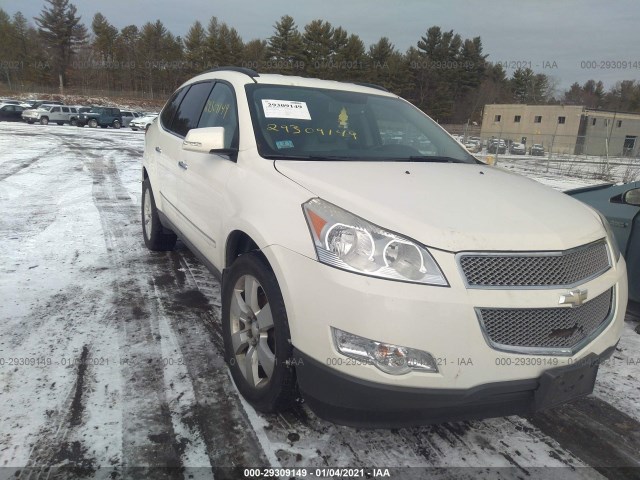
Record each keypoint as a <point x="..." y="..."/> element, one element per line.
<point x="567" y="268"/>
<point x="561" y="328"/>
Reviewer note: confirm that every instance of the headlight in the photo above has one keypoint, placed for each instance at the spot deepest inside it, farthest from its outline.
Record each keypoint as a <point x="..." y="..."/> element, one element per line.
<point x="391" y="359"/>
<point x="615" y="250"/>
<point x="345" y="241"/>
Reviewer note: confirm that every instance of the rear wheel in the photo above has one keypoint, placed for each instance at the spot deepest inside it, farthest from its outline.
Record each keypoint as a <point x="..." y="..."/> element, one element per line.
<point x="256" y="335"/>
<point x="116" y="124"/>
<point x="44" y="121"/>
<point x="154" y="236"/>
<point x="93" y="123"/>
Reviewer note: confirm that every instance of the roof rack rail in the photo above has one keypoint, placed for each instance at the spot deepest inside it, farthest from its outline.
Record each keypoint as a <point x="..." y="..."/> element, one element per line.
<point x="371" y="85"/>
<point x="246" y="71"/>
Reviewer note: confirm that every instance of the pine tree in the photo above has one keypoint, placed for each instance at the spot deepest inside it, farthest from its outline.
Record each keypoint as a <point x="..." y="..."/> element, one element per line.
<point x="127" y="52"/>
<point x="230" y="46"/>
<point x="317" y="41"/>
<point x="285" y="49"/>
<point x="60" y="28"/>
<point x="195" y="44"/>
<point x="7" y="48"/>
<point x="254" y="54"/>
<point x="105" y="36"/>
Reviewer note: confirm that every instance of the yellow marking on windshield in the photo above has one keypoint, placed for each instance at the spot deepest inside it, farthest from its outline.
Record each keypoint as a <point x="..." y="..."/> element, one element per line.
<point x="343" y="118"/>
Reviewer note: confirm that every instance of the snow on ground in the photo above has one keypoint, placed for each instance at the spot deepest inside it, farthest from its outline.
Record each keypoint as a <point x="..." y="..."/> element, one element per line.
<point x="110" y="356"/>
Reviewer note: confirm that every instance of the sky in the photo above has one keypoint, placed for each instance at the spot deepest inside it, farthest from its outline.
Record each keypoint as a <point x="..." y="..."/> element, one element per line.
<point x="568" y="40"/>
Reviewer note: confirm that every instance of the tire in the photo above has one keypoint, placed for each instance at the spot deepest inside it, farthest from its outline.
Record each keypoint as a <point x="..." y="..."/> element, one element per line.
<point x="116" y="124"/>
<point x="154" y="237"/>
<point x="134" y="129"/>
<point x="30" y="122"/>
<point x="44" y="121"/>
<point x="73" y="122"/>
<point x="60" y="123"/>
<point x="93" y="123"/>
<point x="256" y="339"/>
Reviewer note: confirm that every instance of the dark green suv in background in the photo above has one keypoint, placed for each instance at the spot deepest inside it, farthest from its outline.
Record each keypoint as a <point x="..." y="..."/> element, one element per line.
<point x="102" y="116"/>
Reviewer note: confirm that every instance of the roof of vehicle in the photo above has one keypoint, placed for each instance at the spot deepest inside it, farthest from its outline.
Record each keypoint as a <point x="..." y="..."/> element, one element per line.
<point x="246" y="75"/>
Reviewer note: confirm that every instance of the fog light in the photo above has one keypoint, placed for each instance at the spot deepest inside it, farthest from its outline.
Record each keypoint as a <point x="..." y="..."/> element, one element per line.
<point x="392" y="359"/>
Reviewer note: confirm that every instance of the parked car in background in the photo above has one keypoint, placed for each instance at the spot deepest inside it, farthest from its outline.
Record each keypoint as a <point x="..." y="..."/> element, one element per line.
<point x="536" y="149"/>
<point x="10" y="102"/>
<point x="101" y="116"/>
<point x="346" y="282"/>
<point x="473" y="146"/>
<point x="10" y="112"/>
<point x="496" y="146"/>
<point x="44" y="114"/>
<point x="128" y="116"/>
<point x="143" y="123"/>
<point x="620" y="204"/>
<point x="517" y="149"/>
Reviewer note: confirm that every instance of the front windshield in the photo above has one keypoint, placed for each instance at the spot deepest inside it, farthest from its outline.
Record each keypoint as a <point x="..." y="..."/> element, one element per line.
<point x="311" y="123"/>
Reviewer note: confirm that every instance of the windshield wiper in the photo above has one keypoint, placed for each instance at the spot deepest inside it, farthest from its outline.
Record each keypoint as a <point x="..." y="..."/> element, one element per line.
<point x="271" y="156"/>
<point x="428" y="158"/>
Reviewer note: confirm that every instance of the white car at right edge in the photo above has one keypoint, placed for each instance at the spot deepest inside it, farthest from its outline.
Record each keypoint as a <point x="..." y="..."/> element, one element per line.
<point x="369" y="264"/>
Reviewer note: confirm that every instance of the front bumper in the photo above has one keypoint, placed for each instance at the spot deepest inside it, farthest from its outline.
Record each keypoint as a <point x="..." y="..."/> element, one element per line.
<point x="349" y="401"/>
<point x="439" y="320"/>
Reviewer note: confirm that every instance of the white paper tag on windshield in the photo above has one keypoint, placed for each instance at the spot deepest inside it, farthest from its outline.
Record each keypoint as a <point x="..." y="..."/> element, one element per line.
<point x="285" y="109"/>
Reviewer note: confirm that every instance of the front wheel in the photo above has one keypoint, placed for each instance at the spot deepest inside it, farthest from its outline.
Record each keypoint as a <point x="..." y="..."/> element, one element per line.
<point x="73" y="122"/>
<point x="93" y="123"/>
<point x="44" y="121"/>
<point x="116" y="124"/>
<point x="256" y="335"/>
<point x="152" y="230"/>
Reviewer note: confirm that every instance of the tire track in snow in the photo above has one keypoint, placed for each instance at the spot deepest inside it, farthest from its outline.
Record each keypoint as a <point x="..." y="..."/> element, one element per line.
<point x="215" y="413"/>
<point x="149" y="446"/>
<point x="215" y="416"/>
<point x="13" y="169"/>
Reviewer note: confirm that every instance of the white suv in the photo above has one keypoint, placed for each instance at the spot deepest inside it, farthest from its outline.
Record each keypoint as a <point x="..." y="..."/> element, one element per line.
<point x="369" y="262"/>
<point x="59" y="114"/>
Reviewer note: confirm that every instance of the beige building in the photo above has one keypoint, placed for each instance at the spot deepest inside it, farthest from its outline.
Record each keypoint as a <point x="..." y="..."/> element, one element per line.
<point x="565" y="129"/>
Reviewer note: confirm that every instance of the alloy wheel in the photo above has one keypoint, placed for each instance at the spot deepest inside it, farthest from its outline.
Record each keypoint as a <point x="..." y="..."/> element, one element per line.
<point x="252" y="332"/>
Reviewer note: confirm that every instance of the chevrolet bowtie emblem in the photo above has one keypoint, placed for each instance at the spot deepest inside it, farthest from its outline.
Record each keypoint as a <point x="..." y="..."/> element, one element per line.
<point x="573" y="298"/>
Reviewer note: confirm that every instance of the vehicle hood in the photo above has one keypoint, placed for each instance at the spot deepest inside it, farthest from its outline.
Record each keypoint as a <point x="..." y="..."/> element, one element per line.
<point x="453" y="207"/>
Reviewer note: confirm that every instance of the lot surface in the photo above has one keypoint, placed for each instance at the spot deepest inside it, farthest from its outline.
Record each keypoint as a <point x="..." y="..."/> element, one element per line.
<point x="110" y="355"/>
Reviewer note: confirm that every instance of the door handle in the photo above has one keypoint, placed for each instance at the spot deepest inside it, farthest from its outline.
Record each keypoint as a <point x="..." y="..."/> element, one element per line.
<point x="181" y="164"/>
<point x="158" y="149"/>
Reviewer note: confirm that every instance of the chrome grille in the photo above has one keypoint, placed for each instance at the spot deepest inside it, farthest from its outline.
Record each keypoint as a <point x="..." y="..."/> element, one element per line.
<point x="561" y="328"/>
<point x="567" y="268"/>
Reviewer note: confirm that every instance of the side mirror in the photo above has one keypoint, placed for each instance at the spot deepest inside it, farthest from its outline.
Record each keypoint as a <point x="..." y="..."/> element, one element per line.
<point x="632" y="197"/>
<point x="205" y="140"/>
